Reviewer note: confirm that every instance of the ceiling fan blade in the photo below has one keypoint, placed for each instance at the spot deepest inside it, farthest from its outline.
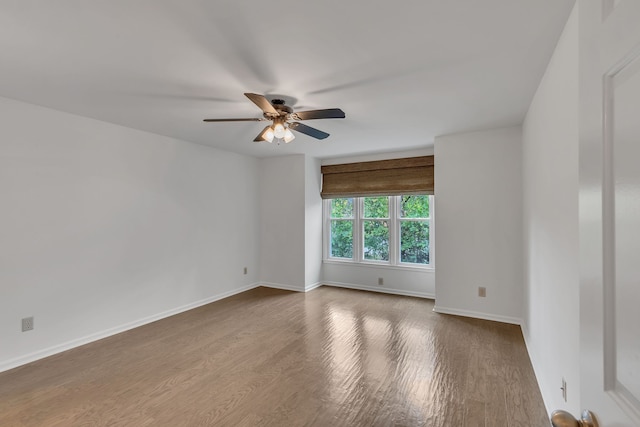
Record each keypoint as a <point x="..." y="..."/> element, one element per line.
<point x="330" y="113"/>
<point x="308" y="130"/>
<point x="257" y="119"/>
<point x="261" y="136"/>
<point x="262" y="102"/>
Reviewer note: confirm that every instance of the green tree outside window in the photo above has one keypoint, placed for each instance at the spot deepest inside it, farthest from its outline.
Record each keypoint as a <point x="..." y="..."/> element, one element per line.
<point x="414" y="233"/>
<point x="376" y="229"/>
<point x="341" y="228"/>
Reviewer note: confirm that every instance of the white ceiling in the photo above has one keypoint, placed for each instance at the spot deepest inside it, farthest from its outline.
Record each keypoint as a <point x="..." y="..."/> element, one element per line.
<point x="403" y="72"/>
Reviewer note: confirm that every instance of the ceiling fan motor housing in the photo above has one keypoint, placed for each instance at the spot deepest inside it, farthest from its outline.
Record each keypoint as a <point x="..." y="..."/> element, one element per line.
<point x="279" y="104"/>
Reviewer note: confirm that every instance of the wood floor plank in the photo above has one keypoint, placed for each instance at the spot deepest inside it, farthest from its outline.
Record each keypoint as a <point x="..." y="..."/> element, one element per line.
<point x="496" y="407"/>
<point x="266" y="357"/>
<point x="474" y="413"/>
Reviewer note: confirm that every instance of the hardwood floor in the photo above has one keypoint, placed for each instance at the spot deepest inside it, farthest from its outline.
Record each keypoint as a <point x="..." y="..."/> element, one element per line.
<point x="330" y="357"/>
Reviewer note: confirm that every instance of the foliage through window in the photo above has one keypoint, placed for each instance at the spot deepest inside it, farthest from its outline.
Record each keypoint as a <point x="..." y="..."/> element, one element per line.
<point x="341" y="228"/>
<point x="376" y="228"/>
<point x="414" y="229"/>
<point x="391" y="230"/>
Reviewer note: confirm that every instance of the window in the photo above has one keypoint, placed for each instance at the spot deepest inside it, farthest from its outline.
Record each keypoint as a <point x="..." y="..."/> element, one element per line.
<point x="341" y="228"/>
<point x="384" y="230"/>
<point x="375" y="224"/>
<point x="414" y="229"/>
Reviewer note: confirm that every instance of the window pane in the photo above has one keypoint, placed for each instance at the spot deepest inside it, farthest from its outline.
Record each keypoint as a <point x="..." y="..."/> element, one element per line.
<point x="376" y="240"/>
<point x="376" y="207"/>
<point x="415" y="207"/>
<point x="341" y="239"/>
<point x="414" y="242"/>
<point x="341" y="208"/>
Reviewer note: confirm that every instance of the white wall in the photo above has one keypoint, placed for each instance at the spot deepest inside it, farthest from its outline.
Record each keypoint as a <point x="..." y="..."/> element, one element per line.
<point x="103" y="228"/>
<point x="282" y="222"/>
<point x="426" y="151"/>
<point x="313" y="223"/>
<point x="551" y="257"/>
<point x="419" y="283"/>
<point x="412" y="282"/>
<point x="479" y="224"/>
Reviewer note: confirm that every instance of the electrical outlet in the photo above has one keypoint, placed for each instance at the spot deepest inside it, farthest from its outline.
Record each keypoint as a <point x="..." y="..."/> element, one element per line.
<point x="564" y="390"/>
<point x="380" y="281"/>
<point x="245" y="270"/>
<point x="482" y="291"/>
<point x="27" y="324"/>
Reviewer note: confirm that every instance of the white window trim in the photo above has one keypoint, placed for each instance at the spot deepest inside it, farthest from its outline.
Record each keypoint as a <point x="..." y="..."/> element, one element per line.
<point x="394" y="236"/>
<point x="360" y="220"/>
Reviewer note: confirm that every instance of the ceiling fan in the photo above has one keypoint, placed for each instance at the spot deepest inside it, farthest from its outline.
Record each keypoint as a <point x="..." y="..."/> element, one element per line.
<point x="284" y="120"/>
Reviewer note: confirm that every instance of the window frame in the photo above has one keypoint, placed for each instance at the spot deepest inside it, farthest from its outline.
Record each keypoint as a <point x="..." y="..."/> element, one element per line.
<point x="328" y="219"/>
<point x="394" y="235"/>
<point x="361" y="221"/>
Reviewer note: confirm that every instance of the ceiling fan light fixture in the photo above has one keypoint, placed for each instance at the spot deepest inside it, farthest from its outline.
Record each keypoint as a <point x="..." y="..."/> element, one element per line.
<point x="288" y="136"/>
<point x="278" y="131"/>
<point x="268" y="135"/>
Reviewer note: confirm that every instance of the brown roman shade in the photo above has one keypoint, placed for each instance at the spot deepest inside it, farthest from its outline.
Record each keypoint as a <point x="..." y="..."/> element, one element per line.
<point x="413" y="175"/>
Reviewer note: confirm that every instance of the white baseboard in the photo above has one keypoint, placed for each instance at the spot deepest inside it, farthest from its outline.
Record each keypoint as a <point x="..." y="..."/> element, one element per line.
<point x="312" y="286"/>
<point x="478" y="315"/>
<point x="282" y="286"/>
<point x="380" y="289"/>
<point x="50" y="351"/>
<point x="535" y="362"/>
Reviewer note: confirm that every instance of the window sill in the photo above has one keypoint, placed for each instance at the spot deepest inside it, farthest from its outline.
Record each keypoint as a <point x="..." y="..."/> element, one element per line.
<point x="425" y="269"/>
